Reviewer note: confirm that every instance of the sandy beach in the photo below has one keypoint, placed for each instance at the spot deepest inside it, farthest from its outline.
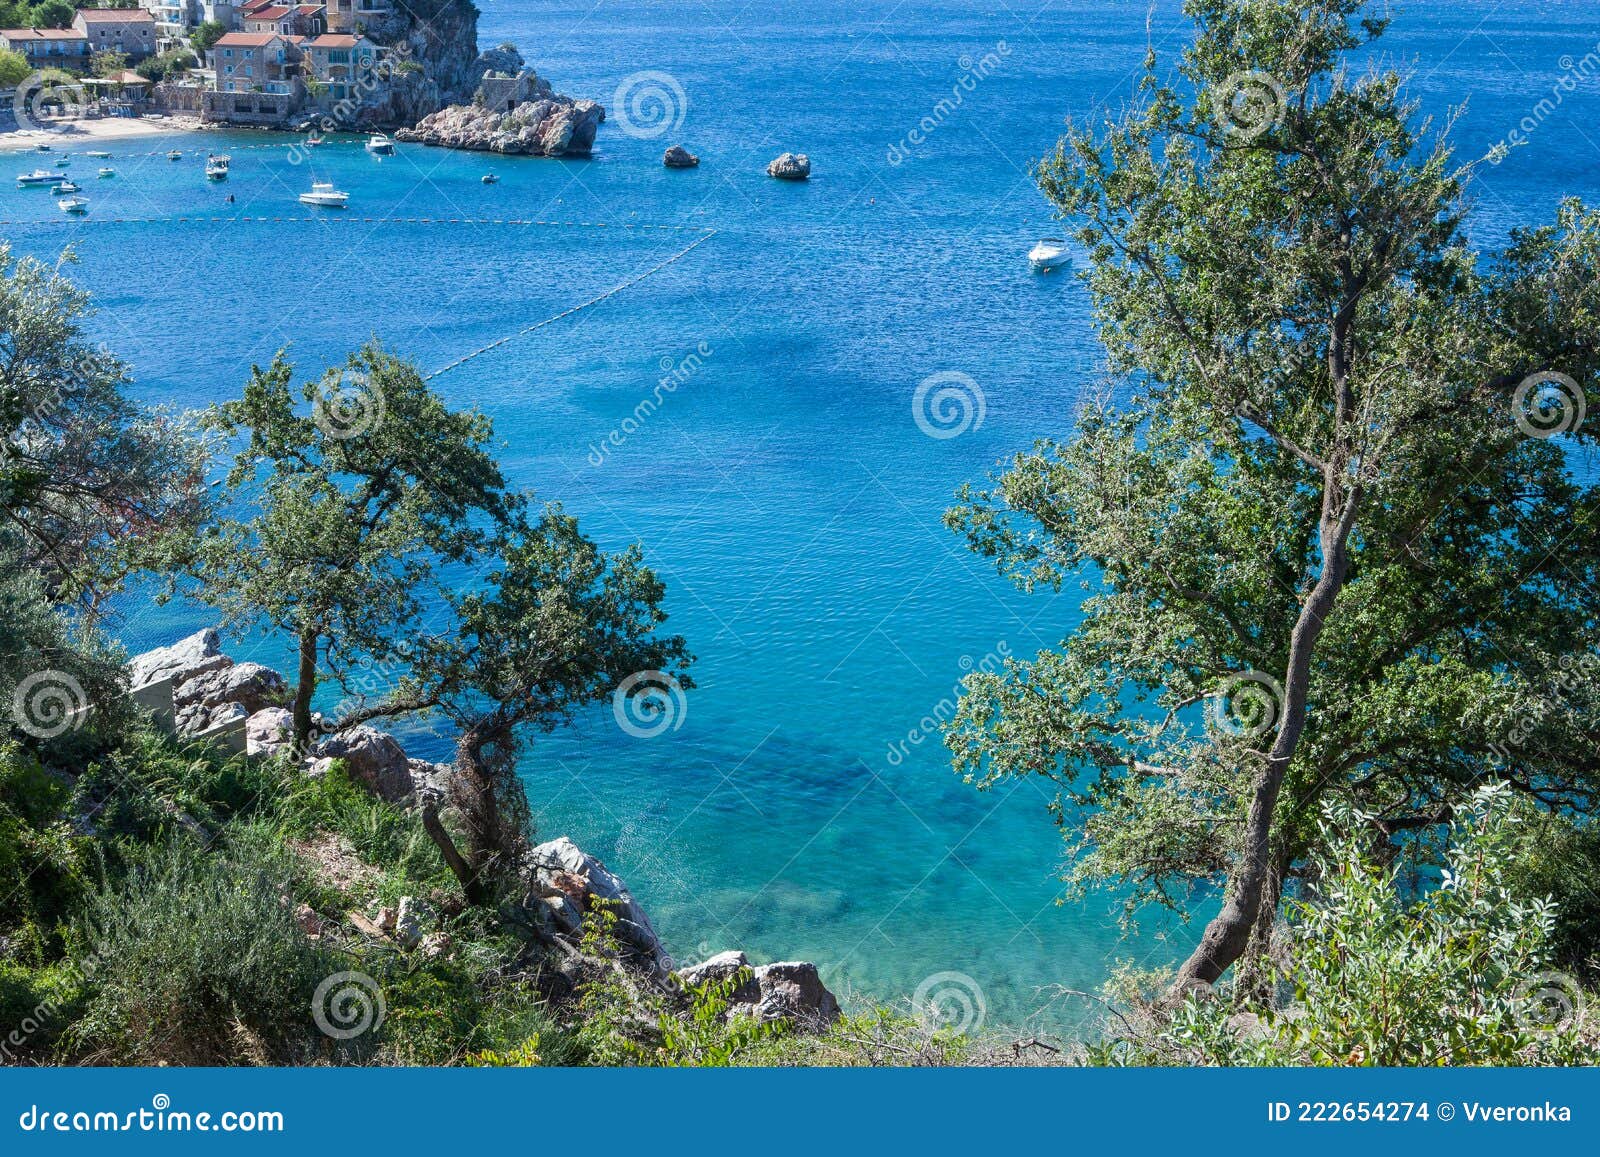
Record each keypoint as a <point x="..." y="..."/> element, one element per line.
<point x="68" y="134"/>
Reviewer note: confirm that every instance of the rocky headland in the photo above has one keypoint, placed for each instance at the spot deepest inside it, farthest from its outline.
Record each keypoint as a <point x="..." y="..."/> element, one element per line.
<point x="512" y="111"/>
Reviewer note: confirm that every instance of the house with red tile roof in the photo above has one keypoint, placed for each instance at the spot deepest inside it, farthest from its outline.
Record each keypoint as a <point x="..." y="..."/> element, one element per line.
<point x="64" y="48"/>
<point x="130" y="31"/>
<point x="258" y="79"/>
<point x="286" y="19"/>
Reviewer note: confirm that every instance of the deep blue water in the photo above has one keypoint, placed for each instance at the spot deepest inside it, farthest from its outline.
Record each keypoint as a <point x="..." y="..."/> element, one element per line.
<point x="783" y="490"/>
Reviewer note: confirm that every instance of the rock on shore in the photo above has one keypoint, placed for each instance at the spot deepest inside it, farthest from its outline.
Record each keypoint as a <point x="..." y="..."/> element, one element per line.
<point x="549" y="125"/>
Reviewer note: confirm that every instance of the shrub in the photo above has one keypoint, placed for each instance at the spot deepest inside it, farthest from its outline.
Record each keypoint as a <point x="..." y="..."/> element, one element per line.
<point x="196" y="958"/>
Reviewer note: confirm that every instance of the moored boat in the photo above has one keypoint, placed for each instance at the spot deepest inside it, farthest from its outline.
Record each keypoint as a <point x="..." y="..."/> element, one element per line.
<point x="108" y="171"/>
<point x="64" y="187"/>
<point x="217" y="167"/>
<point x="1050" y="253"/>
<point x="379" y="145"/>
<point x="325" y="196"/>
<point x="73" y="204"/>
<point x="99" y="153"/>
<point x="175" y="155"/>
<point x="38" y="177"/>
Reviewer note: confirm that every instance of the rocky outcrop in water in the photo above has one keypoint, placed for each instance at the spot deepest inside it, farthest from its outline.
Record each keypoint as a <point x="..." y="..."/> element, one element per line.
<point x="790" y="167"/>
<point x="517" y="115"/>
<point x="678" y="157"/>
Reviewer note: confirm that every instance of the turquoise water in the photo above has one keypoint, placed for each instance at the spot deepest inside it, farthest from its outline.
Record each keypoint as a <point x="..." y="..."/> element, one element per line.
<point x="783" y="489"/>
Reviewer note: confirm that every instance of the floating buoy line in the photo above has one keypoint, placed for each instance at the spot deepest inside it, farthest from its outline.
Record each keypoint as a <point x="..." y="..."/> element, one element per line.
<point x="346" y="219"/>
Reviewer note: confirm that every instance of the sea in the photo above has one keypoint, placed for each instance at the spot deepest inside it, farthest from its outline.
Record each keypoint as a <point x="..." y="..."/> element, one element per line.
<point x="779" y="416"/>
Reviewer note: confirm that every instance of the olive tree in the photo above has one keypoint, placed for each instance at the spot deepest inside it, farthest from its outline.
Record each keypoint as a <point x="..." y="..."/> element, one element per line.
<point x="1332" y="542"/>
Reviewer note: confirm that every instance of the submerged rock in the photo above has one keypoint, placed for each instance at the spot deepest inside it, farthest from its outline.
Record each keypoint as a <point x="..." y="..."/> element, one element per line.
<point x="678" y="157"/>
<point x="790" y="167"/>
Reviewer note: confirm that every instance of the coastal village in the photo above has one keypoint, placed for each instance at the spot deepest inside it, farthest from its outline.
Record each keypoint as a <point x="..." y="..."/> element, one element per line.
<point x="259" y="62"/>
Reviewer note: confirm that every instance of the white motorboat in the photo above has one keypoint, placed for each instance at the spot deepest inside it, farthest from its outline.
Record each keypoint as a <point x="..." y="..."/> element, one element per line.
<point x="323" y="194"/>
<point x="63" y="162"/>
<point x="63" y="188"/>
<point x="175" y="155"/>
<point x="73" y="204"/>
<point x="108" y="171"/>
<point x="379" y="145"/>
<point x="99" y="153"/>
<point x="42" y="147"/>
<point x="39" y="177"/>
<point x="1050" y="253"/>
<point x="217" y="167"/>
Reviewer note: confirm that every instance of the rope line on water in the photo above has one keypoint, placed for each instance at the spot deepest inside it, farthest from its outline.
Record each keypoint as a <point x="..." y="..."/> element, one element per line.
<point x="596" y="300"/>
<point x="346" y="219"/>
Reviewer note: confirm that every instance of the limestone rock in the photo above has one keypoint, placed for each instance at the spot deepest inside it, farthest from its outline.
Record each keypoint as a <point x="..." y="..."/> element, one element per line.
<point x="791" y="990"/>
<point x="412" y="921"/>
<point x="790" y="167"/>
<point x="567" y="881"/>
<point x="207" y="698"/>
<point x="518" y="115"/>
<point x="183" y="660"/>
<point x="678" y="157"/>
<point x="373" y="757"/>
<point x="269" y="732"/>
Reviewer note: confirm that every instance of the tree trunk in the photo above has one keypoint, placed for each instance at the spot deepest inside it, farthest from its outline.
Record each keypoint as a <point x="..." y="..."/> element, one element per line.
<point x="471" y="884"/>
<point x="1227" y="936"/>
<point x="473" y="789"/>
<point x="304" y="688"/>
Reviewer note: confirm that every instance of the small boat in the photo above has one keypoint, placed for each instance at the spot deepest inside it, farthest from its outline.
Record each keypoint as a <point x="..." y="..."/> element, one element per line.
<point x="63" y="188"/>
<point x="1050" y="253"/>
<point x="108" y="171"/>
<point x="38" y="177"/>
<point x="217" y="167"/>
<point x="489" y="178"/>
<point x="325" y="195"/>
<point x="175" y="155"/>
<point x="73" y="204"/>
<point x="313" y="141"/>
<point x="43" y="148"/>
<point x="63" y="162"/>
<point x="379" y="145"/>
<point x="100" y="153"/>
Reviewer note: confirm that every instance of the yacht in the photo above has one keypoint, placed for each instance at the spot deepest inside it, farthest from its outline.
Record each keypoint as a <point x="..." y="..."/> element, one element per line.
<point x="217" y="167"/>
<point x="64" y="187"/>
<point x="38" y="177"/>
<point x="73" y="204"/>
<point x="108" y="171"/>
<point x="325" y="195"/>
<point x="100" y="153"/>
<point x="1050" y="253"/>
<point x="379" y="145"/>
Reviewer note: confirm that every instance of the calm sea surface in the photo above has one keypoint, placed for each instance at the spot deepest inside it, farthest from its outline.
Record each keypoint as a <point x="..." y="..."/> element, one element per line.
<point x="784" y="488"/>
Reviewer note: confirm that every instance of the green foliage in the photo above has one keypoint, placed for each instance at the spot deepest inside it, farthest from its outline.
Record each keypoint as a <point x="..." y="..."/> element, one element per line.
<point x="206" y="34"/>
<point x="52" y="14"/>
<point x="1314" y="508"/>
<point x="1460" y="975"/>
<point x="195" y="958"/>
<point x="14" y="68"/>
<point x="108" y="63"/>
<point x="167" y="65"/>
<point x="379" y="832"/>
<point x="1559" y="857"/>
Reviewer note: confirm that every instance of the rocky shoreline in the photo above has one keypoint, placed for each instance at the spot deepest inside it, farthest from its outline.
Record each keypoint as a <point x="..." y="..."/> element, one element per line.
<point x="196" y="691"/>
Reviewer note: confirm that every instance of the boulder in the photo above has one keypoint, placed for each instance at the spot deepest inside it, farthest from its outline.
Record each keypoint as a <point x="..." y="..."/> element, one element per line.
<point x="566" y="881"/>
<point x="183" y="660"/>
<point x="791" y="990"/>
<point x="373" y="758"/>
<point x="269" y="732"/>
<point x="678" y="157"/>
<point x="199" y="699"/>
<point x="412" y="921"/>
<point x="790" y="167"/>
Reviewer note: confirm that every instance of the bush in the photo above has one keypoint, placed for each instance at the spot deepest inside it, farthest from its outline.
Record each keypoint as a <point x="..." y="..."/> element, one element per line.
<point x="167" y="65"/>
<point x="196" y="958"/>
<point x="1461" y="975"/>
<point x="1561" y="859"/>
